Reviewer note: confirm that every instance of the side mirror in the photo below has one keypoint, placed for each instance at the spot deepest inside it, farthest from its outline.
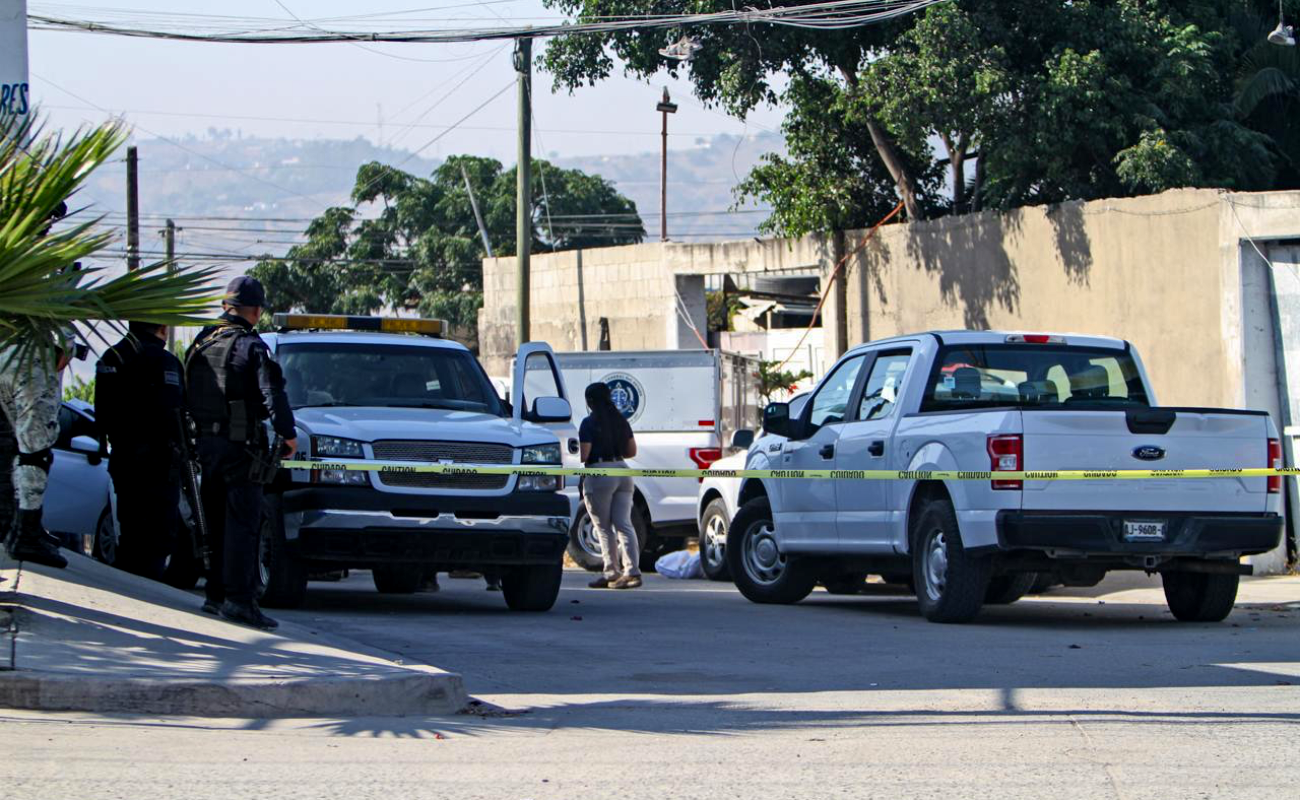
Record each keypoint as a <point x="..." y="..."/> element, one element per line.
<point x="776" y="419"/>
<point x="88" y="447"/>
<point x="742" y="439"/>
<point x="551" y="409"/>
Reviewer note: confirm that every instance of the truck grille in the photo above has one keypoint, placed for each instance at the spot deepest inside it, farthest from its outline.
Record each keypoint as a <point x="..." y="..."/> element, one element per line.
<point x="455" y="452"/>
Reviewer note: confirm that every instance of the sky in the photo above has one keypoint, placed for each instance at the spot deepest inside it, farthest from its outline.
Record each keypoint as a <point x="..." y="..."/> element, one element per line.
<point x="171" y="89"/>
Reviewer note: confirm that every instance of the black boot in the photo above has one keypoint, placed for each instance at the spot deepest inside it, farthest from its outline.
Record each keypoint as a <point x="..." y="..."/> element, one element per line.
<point x="29" y="541"/>
<point x="247" y="614"/>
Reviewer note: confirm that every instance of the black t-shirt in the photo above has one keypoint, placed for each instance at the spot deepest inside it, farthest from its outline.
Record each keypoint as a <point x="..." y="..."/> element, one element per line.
<point x="604" y="445"/>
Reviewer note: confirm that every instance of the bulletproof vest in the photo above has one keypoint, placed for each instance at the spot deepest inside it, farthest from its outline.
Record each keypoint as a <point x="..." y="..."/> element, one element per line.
<point x="207" y="375"/>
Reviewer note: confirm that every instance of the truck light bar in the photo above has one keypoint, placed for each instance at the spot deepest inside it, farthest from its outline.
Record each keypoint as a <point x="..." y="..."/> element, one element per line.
<point x="342" y="322"/>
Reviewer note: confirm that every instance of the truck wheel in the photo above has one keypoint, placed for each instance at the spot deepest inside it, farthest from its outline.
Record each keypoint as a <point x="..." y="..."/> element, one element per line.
<point x="762" y="573"/>
<point x="1007" y="589"/>
<point x="397" y="578"/>
<point x="713" y="541"/>
<point x="282" y="577"/>
<point x="584" y="545"/>
<point x="1200" y="597"/>
<point x="950" y="584"/>
<point x="532" y="588"/>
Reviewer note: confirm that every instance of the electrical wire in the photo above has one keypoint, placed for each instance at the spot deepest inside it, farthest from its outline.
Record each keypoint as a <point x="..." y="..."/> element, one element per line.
<point x="833" y="15"/>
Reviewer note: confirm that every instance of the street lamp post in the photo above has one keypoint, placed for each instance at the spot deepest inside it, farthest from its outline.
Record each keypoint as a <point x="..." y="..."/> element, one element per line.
<point x="666" y="107"/>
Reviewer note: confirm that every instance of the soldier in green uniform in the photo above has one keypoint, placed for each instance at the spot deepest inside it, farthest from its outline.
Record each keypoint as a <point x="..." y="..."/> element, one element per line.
<point x="30" y="395"/>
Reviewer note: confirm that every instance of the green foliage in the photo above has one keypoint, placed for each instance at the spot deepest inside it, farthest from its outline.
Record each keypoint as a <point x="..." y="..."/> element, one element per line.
<point x="80" y="390"/>
<point x="1050" y="99"/>
<point x="413" y="244"/>
<point x="720" y="313"/>
<point x="773" y="382"/>
<point x="41" y="295"/>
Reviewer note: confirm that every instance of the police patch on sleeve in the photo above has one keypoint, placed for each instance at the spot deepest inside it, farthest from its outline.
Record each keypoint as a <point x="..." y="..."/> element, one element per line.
<point x="171" y="377"/>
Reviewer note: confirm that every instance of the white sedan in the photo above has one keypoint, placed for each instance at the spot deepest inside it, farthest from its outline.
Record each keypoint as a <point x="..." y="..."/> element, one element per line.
<point x="718" y="497"/>
<point x="78" y="502"/>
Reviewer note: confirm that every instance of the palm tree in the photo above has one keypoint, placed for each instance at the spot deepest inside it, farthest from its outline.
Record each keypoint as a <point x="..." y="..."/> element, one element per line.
<point x="42" y="293"/>
<point x="1268" y="92"/>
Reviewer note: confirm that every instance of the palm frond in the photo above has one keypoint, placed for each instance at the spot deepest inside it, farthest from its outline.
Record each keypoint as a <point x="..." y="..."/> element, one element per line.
<point x="42" y="293"/>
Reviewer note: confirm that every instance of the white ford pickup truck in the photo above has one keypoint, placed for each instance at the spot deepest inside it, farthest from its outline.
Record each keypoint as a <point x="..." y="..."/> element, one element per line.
<point x="985" y="401"/>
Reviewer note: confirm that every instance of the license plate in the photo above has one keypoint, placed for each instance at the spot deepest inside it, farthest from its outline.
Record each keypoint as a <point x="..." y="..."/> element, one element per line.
<point x="1144" y="531"/>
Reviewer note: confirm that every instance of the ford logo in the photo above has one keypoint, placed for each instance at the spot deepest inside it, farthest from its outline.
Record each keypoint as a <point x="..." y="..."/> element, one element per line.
<point x="1148" y="452"/>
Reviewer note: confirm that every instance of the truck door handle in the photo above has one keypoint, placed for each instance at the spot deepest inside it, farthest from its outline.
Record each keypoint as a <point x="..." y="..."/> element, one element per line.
<point x="827" y="451"/>
<point x="876" y="449"/>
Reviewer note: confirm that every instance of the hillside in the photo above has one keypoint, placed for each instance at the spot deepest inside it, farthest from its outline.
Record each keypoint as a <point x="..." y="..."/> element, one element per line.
<point x="233" y="195"/>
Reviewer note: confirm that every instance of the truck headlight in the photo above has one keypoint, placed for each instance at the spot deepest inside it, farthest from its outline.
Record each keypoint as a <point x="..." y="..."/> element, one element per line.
<point x="541" y="454"/>
<point x="334" y="447"/>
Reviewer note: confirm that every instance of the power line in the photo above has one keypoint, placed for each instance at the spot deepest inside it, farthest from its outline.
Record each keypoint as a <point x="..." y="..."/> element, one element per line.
<point x="833" y="15"/>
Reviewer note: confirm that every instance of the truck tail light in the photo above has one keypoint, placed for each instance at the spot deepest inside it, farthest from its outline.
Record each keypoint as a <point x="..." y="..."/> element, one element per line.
<point x="1275" y="462"/>
<point x="704" y="456"/>
<point x="1007" y="454"/>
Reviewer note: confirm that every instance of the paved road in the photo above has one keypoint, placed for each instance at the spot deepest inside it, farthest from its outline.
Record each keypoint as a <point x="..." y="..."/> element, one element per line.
<point x="685" y="689"/>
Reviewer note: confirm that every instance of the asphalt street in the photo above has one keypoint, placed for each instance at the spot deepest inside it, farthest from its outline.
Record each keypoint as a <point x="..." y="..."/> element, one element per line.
<point x="685" y="689"/>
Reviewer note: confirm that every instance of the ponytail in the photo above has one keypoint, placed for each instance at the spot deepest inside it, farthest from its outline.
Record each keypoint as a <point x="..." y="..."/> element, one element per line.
<point x="609" y="420"/>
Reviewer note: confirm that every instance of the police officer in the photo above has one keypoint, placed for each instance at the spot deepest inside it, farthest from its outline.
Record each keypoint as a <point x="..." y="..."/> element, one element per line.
<point x="233" y="385"/>
<point x="138" y="395"/>
<point x="30" y="394"/>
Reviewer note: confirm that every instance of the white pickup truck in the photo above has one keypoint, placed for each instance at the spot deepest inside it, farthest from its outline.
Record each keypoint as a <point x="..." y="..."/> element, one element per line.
<point x="985" y="401"/>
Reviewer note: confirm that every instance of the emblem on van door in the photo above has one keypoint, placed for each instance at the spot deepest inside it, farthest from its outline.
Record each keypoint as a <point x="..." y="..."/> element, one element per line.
<point x="627" y="394"/>
<point x="1148" y="452"/>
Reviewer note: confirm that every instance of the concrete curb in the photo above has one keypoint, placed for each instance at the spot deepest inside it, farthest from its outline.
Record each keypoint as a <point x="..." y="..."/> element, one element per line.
<point x="93" y="639"/>
<point x="403" y="695"/>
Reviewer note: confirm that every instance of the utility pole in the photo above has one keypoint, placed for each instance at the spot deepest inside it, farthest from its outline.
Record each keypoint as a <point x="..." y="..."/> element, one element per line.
<point x="478" y="217"/>
<point x="132" y="210"/>
<point x="667" y="108"/>
<point x="169" y="235"/>
<point x="524" y="188"/>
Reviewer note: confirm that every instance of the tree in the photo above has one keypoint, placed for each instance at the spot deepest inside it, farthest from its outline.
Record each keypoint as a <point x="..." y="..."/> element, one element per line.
<point x="773" y="382"/>
<point x="413" y="243"/>
<point x="1051" y="100"/>
<point x="41" y="289"/>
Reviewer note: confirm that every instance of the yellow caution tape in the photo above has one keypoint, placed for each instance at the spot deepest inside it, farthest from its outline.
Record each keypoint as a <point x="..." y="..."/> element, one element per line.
<point x="782" y="474"/>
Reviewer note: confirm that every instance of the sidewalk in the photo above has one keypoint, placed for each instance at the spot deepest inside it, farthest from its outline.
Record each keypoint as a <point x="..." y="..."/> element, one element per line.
<point x="93" y="638"/>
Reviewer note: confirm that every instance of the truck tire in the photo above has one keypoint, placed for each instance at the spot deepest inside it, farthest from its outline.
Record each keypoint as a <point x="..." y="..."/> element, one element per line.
<point x="713" y="541"/>
<point x="950" y="584"/>
<point x="584" y="546"/>
<point x="281" y="575"/>
<point x="1007" y="589"/>
<point x="1200" y="597"/>
<point x="761" y="572"/>
<point x="532" y="588"/>
<point x="397" y="578"/>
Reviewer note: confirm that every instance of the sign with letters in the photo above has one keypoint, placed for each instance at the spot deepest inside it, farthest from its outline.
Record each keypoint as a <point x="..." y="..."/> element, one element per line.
<point x="15" y="92"/>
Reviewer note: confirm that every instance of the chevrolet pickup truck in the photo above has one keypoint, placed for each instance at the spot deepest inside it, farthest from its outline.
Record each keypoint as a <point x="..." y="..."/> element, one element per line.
<point x="370" y="388"/>
<point x="991" y="402"/>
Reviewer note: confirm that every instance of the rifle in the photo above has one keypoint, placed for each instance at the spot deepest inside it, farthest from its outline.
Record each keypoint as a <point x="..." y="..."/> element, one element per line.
<point x="266" y="452"/>
<point x="186" y="439"/>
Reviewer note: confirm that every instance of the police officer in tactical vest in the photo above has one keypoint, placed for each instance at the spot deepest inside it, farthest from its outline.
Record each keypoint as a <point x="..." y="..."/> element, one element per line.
<point x="138" y="394"/>
<point x="233" y="385"/>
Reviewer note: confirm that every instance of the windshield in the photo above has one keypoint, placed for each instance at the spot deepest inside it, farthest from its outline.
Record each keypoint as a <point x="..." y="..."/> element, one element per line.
<point x="391" y="376"/>
<point x="1034" y="376"/>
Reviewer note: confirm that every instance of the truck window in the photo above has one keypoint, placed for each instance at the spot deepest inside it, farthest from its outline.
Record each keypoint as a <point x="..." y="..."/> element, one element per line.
<point x="540" y="379"/>
<point x="1033" y="376"/>
<point x="370" y="374"/>
<point x="831" y="402"/>
<point x="884" y="382"/>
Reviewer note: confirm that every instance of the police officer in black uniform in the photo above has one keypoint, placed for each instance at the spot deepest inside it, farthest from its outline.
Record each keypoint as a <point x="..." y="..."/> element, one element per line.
<point x="138" y="396"/>
<point x="233" y="385"/>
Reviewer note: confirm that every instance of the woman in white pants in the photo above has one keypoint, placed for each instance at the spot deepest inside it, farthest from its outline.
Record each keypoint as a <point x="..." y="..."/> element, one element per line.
<point x="607" y="440"/>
